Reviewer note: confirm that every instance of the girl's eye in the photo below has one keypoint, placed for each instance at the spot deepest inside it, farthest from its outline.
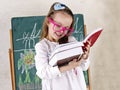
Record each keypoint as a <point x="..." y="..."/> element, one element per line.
<point x="58" y="25"/>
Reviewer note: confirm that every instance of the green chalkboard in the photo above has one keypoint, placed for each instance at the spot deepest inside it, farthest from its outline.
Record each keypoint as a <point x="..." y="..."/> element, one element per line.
<point x="25" y="34"/>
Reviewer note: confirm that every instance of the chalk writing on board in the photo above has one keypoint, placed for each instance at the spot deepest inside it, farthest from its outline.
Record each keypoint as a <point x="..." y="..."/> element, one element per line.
<point x="28" y="38"/>
<point x="78" y="29"/>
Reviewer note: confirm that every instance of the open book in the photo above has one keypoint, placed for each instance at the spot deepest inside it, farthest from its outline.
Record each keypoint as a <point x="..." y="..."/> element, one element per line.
<point x="64" y="53"/>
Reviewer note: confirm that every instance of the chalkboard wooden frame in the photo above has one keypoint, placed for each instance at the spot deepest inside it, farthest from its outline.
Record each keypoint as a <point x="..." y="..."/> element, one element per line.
<point x="12" y="62"/>
<point x="12" y="68"/>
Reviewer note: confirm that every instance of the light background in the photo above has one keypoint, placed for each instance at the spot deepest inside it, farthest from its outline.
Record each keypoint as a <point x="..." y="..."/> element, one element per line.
<point x="105" y="58"/>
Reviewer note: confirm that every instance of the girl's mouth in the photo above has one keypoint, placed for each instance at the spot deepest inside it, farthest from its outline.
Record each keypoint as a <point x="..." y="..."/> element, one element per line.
<point x="58" y="34"/>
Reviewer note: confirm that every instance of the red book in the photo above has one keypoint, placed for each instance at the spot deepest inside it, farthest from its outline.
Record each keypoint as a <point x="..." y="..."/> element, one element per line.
<point x="92" y="37"/>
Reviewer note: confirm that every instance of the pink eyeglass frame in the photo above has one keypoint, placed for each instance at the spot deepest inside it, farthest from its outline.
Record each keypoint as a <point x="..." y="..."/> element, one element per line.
<point x="62" y="28"/>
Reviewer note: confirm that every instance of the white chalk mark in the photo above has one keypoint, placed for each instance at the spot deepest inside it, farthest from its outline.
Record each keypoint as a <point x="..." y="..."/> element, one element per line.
<point x="28" y="39"/>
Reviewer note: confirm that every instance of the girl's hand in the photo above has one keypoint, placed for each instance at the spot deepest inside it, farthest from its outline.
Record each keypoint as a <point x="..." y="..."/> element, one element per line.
<point x="86" y="50"/>
<point x="72" y="64"/>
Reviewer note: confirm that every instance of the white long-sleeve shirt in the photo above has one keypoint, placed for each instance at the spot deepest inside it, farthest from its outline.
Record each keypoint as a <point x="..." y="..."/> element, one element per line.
<point x="52" y="78"/>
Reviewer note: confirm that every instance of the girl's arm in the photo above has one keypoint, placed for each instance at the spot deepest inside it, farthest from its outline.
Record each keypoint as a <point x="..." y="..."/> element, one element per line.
<point x="44" y="70"/>
<point x="84" y="64"/>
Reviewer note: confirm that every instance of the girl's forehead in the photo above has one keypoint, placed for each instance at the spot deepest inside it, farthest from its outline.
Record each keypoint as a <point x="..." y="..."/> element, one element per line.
<point x="61" y="14"/>
<point x="63" y="18"/>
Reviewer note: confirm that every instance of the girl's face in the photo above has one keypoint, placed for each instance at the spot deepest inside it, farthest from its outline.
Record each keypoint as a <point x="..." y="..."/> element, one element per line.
<point x="59" y="26"/>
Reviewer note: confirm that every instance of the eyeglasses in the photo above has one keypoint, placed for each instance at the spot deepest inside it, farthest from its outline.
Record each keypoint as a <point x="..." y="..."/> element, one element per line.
<point x="59" y="28"/>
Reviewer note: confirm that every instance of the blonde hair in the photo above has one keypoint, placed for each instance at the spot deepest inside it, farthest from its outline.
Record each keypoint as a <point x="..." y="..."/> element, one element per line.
<point x="51" y="13"/>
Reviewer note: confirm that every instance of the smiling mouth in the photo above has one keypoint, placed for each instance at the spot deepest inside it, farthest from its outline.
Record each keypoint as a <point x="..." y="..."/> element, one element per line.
<point x="58" y="35"/>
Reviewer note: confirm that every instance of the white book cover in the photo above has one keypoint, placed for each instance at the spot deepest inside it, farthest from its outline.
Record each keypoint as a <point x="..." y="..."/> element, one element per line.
<point x="64" y="51"/>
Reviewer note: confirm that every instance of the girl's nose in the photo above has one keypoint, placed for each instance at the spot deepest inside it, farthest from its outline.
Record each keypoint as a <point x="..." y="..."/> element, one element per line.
<point x="62" y="31"/>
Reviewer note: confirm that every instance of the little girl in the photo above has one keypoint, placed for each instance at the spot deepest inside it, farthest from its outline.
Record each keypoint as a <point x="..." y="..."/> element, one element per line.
<point x="57" y="29"/>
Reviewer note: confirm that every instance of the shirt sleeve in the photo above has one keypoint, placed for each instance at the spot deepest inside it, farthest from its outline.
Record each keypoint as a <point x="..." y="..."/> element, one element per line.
<point x="85" y="64"/>
<point x="44" y="70"/>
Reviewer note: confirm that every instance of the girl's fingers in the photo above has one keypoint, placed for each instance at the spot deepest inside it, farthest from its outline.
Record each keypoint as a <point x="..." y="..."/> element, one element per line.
<point x="88" y="43"/>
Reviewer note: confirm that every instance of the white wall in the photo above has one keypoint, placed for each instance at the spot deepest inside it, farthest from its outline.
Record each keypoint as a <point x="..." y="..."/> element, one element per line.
<point x="105" y="58"/>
